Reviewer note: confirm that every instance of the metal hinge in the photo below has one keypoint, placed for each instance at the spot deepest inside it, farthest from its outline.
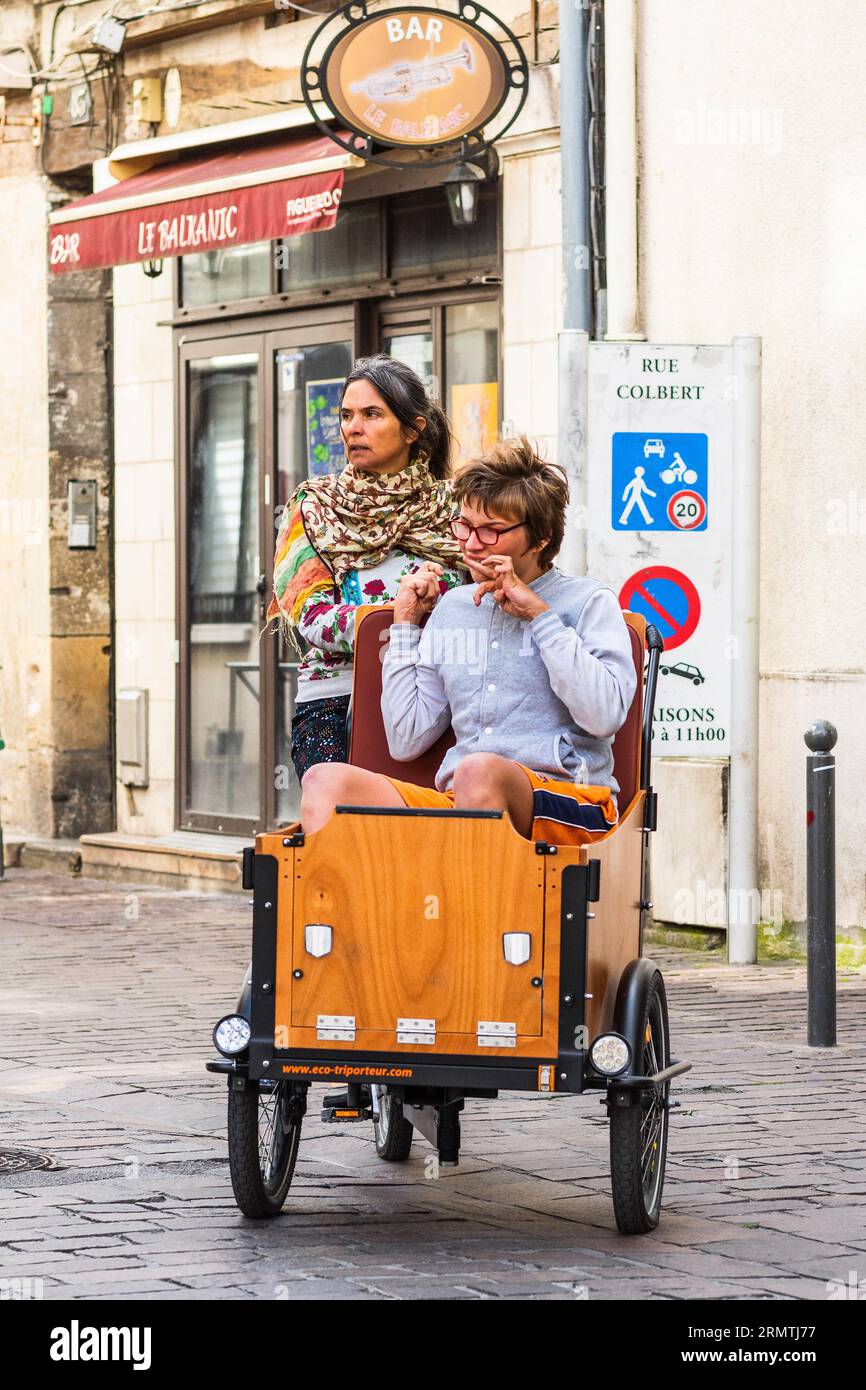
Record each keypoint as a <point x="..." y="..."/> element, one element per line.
<point x="416" y="1030"/>
<point x="335" y="1027"/>
<point x="496" y="1034"/>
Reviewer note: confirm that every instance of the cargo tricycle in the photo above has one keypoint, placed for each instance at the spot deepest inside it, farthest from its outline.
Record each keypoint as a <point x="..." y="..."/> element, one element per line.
<point x="416" y="959"/>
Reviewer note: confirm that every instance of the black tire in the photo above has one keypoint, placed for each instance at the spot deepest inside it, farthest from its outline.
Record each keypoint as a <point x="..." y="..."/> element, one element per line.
<point x="264" y="1131"/>
<point x="393" y="1133"/>
<point x="664" y="670"/>
<point x="639" y="1133"/>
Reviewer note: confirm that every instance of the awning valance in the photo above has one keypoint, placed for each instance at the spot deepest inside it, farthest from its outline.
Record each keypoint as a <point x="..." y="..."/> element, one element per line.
<point x="227" y="198"/>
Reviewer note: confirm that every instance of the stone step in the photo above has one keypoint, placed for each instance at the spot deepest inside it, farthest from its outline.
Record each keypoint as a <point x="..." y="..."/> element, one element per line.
<point x="184" y="859"/>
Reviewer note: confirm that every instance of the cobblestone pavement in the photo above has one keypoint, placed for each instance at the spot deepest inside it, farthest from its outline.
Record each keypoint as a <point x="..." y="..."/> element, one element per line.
<point x="108" y="997"/>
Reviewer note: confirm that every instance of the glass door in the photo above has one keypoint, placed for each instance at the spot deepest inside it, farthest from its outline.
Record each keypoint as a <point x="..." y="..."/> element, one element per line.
<point x="221" y="588"/>
<point x="306" y="370"/>
<point x="470" y="397"/>
<point x="408" y="335"/>
<point x="453" y="345"/>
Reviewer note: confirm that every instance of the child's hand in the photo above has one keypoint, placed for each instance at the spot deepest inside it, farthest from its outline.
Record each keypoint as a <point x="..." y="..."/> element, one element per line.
<point x="483" y="573"/>
<point x="513" y="596"/>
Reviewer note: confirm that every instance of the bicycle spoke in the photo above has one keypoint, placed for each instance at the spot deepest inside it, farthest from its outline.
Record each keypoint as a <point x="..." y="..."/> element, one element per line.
<point x="268" y="1135"/>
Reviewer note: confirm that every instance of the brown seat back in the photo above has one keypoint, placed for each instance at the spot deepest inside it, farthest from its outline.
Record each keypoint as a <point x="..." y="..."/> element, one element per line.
<point x="627" y="742"/>
<point x="368" y="745"/>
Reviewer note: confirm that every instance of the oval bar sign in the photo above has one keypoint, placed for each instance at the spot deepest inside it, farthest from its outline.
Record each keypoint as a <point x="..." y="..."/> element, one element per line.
<point x="414" y="77"/>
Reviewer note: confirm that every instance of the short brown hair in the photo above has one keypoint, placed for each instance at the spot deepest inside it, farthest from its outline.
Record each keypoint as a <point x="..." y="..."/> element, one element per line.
<point x="511" y="480"/>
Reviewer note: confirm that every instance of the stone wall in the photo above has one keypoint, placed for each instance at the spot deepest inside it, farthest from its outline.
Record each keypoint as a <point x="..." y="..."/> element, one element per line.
<point x="80" y="448"/>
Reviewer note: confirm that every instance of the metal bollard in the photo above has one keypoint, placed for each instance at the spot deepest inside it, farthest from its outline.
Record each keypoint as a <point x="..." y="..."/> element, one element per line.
<point x="820" y="738"/>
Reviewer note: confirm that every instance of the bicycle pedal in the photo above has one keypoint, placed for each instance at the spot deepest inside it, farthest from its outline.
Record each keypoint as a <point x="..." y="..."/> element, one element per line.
<point x="343" y="1114"/>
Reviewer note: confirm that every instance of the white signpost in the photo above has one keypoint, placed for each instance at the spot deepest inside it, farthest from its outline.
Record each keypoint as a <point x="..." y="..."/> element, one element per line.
<point x="660" y="472"/>
<point x="672" y="468"/>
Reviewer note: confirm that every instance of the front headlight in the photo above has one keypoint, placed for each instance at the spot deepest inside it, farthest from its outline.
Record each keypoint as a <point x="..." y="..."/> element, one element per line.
<point x="231" y="1035"/>
<point x="610" y="1054"/>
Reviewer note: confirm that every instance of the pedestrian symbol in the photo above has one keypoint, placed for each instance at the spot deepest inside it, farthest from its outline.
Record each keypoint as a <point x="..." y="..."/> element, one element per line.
<point x="649" y="473"/>
<point x="665" y="597"/>
<point x="634" y="493"/>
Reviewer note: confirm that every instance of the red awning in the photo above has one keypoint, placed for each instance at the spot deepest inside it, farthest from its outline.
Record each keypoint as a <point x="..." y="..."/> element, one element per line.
<point x="229" y="198"/>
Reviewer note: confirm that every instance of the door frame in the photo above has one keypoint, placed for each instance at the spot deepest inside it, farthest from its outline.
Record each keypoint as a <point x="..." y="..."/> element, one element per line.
<point x="301" y="331"/>
<point x="186" y="818"/>
<point x="359" y="320"/>
<point x="387" y="314"/>
<point x="262" y="337"/>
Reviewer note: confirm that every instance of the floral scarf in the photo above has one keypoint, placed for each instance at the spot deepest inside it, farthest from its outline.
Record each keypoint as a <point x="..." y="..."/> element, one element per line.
<point x="352" y="520"/>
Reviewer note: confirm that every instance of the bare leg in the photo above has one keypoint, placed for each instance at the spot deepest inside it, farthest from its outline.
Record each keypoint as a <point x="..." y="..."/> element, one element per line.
<point x="487" y="782"/>
<point x="327" y="785"/>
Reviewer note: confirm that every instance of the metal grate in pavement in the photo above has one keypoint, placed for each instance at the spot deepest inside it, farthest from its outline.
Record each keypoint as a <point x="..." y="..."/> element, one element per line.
<point x="23" y="1161"/>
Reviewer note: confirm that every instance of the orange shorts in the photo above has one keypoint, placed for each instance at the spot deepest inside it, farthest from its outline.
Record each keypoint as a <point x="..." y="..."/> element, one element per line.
<point x="563" y="813"/>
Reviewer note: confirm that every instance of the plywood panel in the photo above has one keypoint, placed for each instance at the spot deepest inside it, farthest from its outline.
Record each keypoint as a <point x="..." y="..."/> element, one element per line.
<point x="418" y="907"/>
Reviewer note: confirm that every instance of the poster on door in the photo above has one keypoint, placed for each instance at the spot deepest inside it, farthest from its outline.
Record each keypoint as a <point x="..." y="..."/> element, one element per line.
<point x="475" y="417"/>
<point x="660" y="459"/>
<point x="325" y="452"/>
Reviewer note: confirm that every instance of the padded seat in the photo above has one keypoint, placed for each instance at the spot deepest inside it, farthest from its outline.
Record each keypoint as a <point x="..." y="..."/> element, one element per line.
<point x="368" y="745"/>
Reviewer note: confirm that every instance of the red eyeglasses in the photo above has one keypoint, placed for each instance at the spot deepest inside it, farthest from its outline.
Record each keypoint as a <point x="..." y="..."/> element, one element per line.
<point x="487" y="535"/>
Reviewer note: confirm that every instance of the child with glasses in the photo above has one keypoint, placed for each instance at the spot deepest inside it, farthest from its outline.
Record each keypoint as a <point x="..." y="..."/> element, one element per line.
<point x="531" y="667"/>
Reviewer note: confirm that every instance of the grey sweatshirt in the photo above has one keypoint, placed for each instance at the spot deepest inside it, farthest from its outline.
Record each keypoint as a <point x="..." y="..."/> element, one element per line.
<point x="549" y="693"/>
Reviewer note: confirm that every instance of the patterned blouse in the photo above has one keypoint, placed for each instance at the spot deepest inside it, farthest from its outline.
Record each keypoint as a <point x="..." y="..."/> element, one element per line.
<point x="329" y="628"/>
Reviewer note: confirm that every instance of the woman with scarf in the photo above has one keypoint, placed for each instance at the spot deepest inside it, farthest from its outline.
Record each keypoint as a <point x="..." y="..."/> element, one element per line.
<point x="348" y="539"/>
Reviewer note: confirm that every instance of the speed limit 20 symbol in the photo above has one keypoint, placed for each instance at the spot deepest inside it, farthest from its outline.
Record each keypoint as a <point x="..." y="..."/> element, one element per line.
<point x="687" y="509"/>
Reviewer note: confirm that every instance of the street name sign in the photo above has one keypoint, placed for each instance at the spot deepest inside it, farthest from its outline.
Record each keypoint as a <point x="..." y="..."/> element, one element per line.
<point x="660" y="463"/>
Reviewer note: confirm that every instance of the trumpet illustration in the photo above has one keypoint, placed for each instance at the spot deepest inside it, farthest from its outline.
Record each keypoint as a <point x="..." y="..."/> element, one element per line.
<point x="403" y="81"/>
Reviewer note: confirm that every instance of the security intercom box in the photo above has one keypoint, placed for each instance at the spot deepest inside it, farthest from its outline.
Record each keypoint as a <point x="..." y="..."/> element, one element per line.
<point x="82" y="497"/>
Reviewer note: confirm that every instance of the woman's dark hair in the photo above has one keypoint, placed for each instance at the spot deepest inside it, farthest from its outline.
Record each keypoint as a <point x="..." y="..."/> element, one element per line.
<point x="403" y="391"/>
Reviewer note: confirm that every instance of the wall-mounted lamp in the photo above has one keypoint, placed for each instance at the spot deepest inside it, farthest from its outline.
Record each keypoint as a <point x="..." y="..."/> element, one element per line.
<point x="152" y="269"/>
<point x="463" y="185"/>
<point x="212" y="263"/>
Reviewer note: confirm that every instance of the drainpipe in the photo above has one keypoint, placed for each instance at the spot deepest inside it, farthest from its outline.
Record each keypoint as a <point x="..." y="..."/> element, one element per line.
<point x="621" y="171"/>
<point x="576" y="274"/>
<point x="743" y="883"/>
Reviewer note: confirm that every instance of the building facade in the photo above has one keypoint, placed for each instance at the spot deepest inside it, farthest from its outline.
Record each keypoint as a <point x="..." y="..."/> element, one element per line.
<point x="186" y="393"/>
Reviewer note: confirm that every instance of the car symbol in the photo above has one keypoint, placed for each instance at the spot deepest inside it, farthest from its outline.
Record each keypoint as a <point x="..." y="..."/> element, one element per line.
<point x="653" y="446"/>
<point x="682" y="668"/>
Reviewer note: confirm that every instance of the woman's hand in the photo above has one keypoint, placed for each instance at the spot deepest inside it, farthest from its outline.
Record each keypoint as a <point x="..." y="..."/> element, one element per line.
<point x="497" y="577"/>
<point x="418" y="593"/>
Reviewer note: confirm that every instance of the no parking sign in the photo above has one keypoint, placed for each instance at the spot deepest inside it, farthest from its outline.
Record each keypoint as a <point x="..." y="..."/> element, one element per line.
<point x="665" y="597"/>
<point x="660" y="454"/>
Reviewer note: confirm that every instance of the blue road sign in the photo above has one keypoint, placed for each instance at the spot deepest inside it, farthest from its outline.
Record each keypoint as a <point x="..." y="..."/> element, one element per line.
<point x="659" y="482"/>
